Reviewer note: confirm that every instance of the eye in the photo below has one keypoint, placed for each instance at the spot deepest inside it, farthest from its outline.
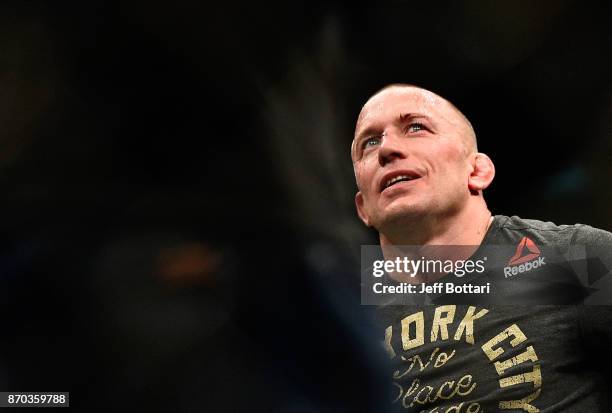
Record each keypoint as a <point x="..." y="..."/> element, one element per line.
<point x="370" y="142"/>
<point x="415" y="127"/>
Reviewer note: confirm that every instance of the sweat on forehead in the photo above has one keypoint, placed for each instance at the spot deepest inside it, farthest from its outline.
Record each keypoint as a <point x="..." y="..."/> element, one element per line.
<point x="419" y="96"/>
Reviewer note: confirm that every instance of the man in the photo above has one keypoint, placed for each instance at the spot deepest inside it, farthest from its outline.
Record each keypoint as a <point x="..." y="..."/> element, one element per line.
<point x="420" y="182"/>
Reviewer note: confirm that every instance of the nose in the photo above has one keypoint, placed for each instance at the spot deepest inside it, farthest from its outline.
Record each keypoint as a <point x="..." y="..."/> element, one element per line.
<point x="390" y="148"/>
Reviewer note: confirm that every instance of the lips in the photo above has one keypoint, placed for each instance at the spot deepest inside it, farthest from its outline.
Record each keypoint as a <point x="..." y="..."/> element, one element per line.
<point x="396" y="177"/>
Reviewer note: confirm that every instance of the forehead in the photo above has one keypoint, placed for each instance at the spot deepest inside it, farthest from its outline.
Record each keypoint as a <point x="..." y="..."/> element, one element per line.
<point x="392" y="102"/>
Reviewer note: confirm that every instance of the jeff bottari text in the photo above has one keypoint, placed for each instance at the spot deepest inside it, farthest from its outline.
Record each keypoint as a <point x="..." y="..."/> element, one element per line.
<point x="434" y="288"/>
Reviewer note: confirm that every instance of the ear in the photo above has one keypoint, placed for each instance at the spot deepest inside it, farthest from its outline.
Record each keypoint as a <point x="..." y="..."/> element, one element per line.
<point x="360" y="208"/>
<point x="482" y="173"/>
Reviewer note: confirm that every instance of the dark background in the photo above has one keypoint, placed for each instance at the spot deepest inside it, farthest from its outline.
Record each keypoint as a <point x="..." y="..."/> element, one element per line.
<point x="178" y="225"/>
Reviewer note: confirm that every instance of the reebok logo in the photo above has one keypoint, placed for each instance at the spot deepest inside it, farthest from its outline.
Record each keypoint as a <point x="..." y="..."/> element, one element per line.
<point x="526" y="258"/>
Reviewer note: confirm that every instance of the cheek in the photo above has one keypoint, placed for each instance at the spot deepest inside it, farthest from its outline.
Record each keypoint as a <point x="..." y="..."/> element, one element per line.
<point x="359" y="178"/>
<point x="453" y="162"/>
<point x="450" y="153"/>
<point x="363" y="176"/>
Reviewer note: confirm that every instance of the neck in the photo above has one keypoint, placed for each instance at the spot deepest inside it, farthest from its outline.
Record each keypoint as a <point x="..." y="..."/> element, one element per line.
<point x="466" y="228"/>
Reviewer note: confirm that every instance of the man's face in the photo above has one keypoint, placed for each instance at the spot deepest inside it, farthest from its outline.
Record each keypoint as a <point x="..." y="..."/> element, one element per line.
<point x="410" y="158"/>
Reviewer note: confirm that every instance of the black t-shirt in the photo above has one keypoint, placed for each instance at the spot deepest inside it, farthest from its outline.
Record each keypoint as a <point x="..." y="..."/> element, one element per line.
<point x="509" y="358"/>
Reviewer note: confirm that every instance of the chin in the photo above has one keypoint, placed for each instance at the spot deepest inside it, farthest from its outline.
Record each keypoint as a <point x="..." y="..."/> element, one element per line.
<point x="397" y="215"/>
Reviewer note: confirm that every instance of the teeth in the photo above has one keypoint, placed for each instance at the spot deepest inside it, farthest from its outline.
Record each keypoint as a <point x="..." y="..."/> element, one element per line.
<point x="397" y="178"/>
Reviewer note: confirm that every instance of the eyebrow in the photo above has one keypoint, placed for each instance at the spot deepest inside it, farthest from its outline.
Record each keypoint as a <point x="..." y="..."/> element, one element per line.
<point x="405" y="117"/>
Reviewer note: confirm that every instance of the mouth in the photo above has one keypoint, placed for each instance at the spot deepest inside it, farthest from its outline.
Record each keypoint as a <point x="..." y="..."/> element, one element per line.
<point x="396" y="178"/>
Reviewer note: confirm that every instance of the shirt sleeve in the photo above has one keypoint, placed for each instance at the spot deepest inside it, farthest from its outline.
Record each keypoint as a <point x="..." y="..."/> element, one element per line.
<point x="591" y="252"/>
<point x="595" y="317"/>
